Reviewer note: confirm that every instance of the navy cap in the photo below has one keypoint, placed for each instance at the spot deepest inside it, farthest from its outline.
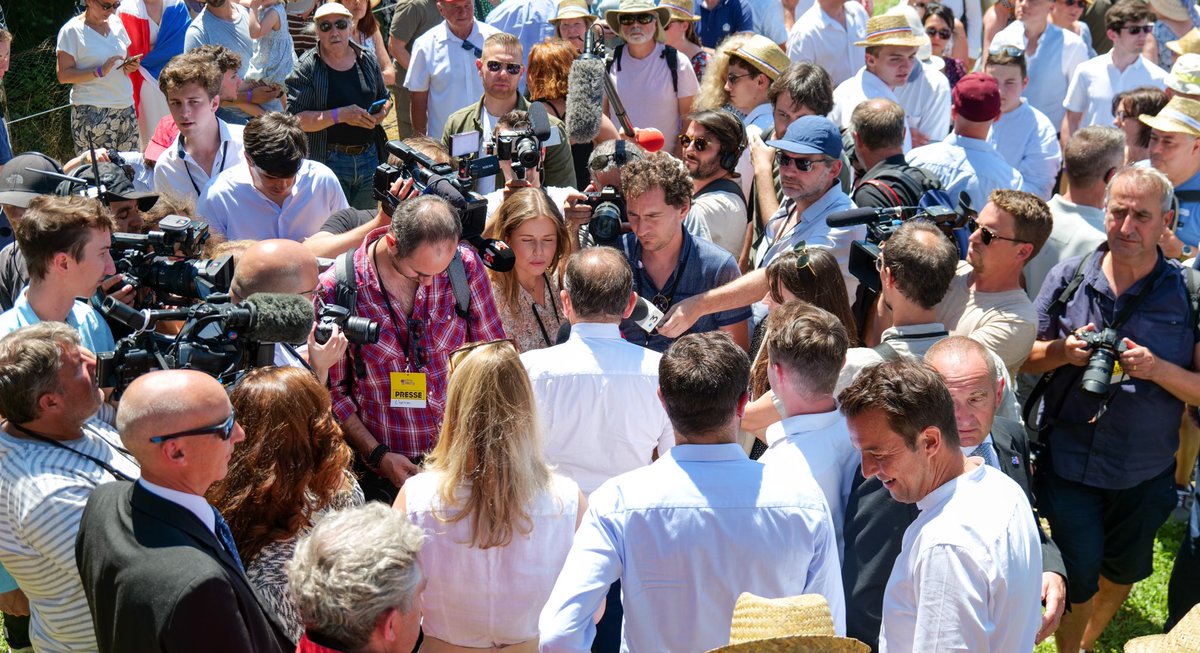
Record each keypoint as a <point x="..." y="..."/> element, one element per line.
<point x="811" y="135"/>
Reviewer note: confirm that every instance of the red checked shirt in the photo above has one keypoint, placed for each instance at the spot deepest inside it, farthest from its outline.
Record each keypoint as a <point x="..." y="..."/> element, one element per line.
<point x="407" y="431"/>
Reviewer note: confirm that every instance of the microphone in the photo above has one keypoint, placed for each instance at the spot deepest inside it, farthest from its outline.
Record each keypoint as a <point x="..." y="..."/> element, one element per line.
<point x="852" y="217"/>
<point x="136" y="320"/>
<point x="645" y="314"/>
<point x="585" y="98"/>
<point x="650" y="139"/>
<point x="495" y="254"/>
<point x="278" y="317"/>
<point x="564" y="333"/>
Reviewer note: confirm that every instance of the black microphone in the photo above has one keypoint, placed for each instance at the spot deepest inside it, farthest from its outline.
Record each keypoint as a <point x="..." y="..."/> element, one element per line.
<point x="564" y="332"/>
<point x="852" y="217"/>
<point x="279" y="317"/>
<point x="495" y="254"/>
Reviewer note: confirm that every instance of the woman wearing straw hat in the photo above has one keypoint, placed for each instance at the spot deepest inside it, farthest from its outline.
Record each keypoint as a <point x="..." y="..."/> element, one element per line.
<point x="573" y="21"/>
<point x="681" y="35"/>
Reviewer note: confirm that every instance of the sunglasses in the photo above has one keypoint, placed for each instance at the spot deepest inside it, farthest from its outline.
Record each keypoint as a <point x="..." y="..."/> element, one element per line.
<point x="340" y="23"/>
<point x="1007" y="50"/>
<point x="513" y="69"/>
<point x="1136" y="29"/>
<point x="879" y="265"/>
<point x="224" y="430"/>
<point x="733" y="77"/>
<point x="462" y="353"/>
<point x="107" y="6"/>
<point x="931" y="32"/>
<point x="803" y="165"/>
<point x="416" y="332"/>
<point x="1072" y="3"/>
<point x="640" y="19"/>
<point x="988" y="235"/>
<point x="700" y="142"/>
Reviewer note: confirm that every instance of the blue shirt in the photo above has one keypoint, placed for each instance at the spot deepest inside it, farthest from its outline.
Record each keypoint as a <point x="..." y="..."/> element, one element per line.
<point x="702" y="267"/>
<point x="728" y="17"/>
<point x="93" y="330"/>
<point x="1188" y="230"/>
<point x="528" y="20"/>
<point x="686" y="535"/>
<point x="1135" y="439"/>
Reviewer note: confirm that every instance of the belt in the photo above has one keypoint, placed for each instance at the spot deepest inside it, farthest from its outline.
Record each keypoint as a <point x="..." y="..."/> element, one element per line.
<point x="349" y="149"/>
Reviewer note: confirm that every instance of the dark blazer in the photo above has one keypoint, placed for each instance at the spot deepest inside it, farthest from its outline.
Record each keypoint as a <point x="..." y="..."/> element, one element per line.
<point x="874" y="529"/>
<point x="157" y="579"/>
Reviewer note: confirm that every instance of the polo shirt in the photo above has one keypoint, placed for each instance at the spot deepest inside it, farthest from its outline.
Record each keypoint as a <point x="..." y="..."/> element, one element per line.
<point x="1058" y="53"/>
<point x="1096" y="81"/>
<point x="234" y="208"/>
<point x="819" y="39"/>
<point x="94" y="333"/>
<point x="864" y="85"/>
<point x="444" y="66"/>
<point x="966" y="164"/>
<point x="728" y="17"/>
<point x="178" y="172"/>
<point x="1026" y="140"/>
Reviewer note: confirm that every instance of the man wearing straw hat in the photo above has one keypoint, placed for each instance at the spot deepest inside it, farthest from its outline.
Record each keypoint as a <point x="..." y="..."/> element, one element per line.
<point x="1175" y="151"/>
<point x="828" y="34"/>
<point x="753" y="66"/>
<point x="890" y="55"/>
<point x="572" y="21"/>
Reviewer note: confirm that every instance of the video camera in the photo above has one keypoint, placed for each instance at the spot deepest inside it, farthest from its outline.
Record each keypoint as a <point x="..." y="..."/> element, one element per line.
<point x="608" y="213"/>
<point x="167" y="260"/>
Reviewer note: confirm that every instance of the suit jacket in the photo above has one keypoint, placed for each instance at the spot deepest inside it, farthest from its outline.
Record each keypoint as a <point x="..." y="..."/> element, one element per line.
<point x="874" y="530"/>
<point x="157" y="579"/>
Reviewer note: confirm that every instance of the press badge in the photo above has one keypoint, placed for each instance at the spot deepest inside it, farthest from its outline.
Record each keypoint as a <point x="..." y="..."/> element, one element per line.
<point x="408" y="390"/>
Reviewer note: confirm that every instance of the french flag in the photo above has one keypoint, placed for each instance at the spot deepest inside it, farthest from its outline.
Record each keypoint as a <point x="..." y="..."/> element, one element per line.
<point x="175" y="21"/>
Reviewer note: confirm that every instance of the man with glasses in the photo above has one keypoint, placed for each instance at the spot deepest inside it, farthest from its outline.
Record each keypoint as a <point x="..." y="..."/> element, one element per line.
<point x="443" y="67"/>
<point x="711" y="147"/>
<point x="500" y="70"/>
<point x="227" y="23"/>
<point x="1051" y="53"/>
<point x="1175" y="151"/>
<point x="159" y="565"/>
<point x="400" y="272"/>
<point x="1097" y="80"/>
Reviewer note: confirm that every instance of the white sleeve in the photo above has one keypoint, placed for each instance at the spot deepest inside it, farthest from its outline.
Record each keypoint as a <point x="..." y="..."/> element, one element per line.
<point x="974" y="20"/>
<point x="1077" y="93"/>
<point x="211" y="211"/>
<point x="825" y="573"/>
<point x="768" y="20"/>
<point x="419" y="66"/>
<point x="952" y="602"/>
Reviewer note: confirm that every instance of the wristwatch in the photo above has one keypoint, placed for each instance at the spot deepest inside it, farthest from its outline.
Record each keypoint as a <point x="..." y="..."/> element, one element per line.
<point x="376" y="455"/>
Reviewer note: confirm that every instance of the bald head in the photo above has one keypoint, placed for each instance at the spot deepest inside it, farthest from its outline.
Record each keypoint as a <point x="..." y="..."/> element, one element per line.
<point x="598" y="282"/>
<point x="279" y="266"/>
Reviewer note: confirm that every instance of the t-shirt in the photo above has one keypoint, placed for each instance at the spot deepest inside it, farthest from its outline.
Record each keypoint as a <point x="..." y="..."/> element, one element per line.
<point x="646" y="88"/>
<point x="207" y="29"/>
<point x="348" y="87"/>
<point x="724" y="218"/>
<point x="1004" y="322"/>
<point x="93" y="330"/>
<point x="90" y="50"/>
<point x="344" y="221"/>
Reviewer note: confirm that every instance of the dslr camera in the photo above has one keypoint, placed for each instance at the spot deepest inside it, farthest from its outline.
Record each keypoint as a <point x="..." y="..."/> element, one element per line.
<point x="358" y="330"/>
<point x="608" y="213"/>
<point x="167" y="260"/>
<point x="1106" y="347"/>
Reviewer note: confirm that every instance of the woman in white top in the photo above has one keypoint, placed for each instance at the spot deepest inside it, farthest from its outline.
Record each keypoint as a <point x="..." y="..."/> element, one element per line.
<point x="92" y="56"/>
<point x="499" y="522"/>
<point x="368" y="35"/>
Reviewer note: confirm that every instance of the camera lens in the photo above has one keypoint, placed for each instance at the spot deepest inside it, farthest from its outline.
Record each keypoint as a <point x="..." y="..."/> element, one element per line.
<point x="605" y="225"/>
<point x="362" y="331"/>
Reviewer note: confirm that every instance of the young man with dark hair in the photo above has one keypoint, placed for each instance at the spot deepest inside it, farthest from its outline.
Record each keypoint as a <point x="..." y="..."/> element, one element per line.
<point x="276" y="193"/>
<point x="1022" y="135"/>
<point x="711" y="147"/>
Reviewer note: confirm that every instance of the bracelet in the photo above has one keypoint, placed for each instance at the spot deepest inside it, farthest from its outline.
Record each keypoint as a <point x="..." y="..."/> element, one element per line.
<point x="99" y="71"/>
<point x="377" y="455"/>
<point x="249" y="94"/>
<point x="335" y="120"/>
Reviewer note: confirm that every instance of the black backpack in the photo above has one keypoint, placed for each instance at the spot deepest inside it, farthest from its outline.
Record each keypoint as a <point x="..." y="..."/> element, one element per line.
<point x="670" y="54"/>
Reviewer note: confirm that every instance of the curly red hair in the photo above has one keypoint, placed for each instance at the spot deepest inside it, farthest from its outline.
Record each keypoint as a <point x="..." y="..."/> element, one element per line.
<point x="549" y="67"/>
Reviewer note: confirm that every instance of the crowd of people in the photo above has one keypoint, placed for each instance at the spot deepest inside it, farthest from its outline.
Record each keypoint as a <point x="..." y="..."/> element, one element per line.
<point x="954" y="419"/>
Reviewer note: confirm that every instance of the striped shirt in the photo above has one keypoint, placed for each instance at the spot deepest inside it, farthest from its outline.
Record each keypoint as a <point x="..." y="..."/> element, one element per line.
<point x="43" y="490"/>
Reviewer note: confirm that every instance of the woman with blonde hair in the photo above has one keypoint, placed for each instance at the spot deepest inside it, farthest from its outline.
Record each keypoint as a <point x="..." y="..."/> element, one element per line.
<point x="712" y="94"/>
<point x="527" y="296"/>
<point x="498" y="521"/>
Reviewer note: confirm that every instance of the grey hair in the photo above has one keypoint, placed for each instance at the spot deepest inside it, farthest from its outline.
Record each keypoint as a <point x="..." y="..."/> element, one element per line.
<point x="355" y="565"/>
<point x="608" y="149"/>
<point x="421" y="220"/>
<point x="30" y="359"/>
<point x="1143" y="177"/>
<point x="963" y="347"/>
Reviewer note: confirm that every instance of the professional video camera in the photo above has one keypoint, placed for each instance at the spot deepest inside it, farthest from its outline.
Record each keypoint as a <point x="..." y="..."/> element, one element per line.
<point x="167" y="261"/>
<point x="358" y="330"/>
<point x="217" y="337"/>
<point x="608" y="213"/>
<point x="1106" y="347"/>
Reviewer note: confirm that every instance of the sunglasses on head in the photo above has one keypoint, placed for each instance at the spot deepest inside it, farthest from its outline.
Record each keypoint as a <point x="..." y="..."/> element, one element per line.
<point x="803" y="165"/>
<point x="987" y="235"/>
<point x="931" y="32"/>
<point x="1007" y="50"/>
<point x="462" y="353"/>
<point x="340" y="23"/>
<point x="513" y="69"/>
<point x="640" y="19"/>
<point x="224" y="430"/>
<point x="700" y="142"/>
<point x="1136" y="29"/>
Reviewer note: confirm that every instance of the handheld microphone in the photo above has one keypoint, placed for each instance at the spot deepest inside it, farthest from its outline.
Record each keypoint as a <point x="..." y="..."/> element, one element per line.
<point x="279" y="317"/>
<point x="645" y="314"/>
<point x="852" y="217"/>
<point x="495" y="254"/>
<point x="585" y="98"/>
<point x="650" y="139"/>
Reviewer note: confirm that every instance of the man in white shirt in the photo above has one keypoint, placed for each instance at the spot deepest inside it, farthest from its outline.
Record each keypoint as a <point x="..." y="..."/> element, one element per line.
<point x="828" y="34"/>
<point x="276" y="193"/>
<point x="206" y="145"/>
<point x="1052" y="55"/>
<point x="970" y="566"/>
<point x="711" y="147"/>
<point x="890" y="56"/>
<point x="1022" y="135"/>
<point x="964" y="161"/>
<point x="1097" y="80"/>
<point x="441" y="71"/>
<point x="689" y="533"/>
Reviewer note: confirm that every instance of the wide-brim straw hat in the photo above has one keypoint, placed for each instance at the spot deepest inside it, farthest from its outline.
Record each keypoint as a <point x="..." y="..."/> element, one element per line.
<point x="1183" y="638"/>
<point x="1180" y="116"/>
<point x="613" y="16"/>
<point x="1170" y="9"/>
<point x="1189" y="43"/>
<point x="891" y="30"/>
<point x="764" y="55"/>
<point x="678" y="10"/>
<point x="794" y="623"/>
<point x="1185" y="74"/>
<point x="568" y="9"/>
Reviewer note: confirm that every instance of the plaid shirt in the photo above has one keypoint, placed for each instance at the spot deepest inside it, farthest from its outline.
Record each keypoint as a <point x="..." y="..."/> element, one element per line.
<point x="407" y="431"/>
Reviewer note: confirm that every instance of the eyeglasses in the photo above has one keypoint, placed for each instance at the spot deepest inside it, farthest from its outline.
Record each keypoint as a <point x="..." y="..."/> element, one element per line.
<point x="733" y="77"/>
<point x="224" y="430"/>
<point x="700" y="142"/>
<point x="108" y="6"/>
<point x="640" y="19"/>
<point x="416" y="332"/>
<point x="462" y="353"/>
<point x="513" y="69"/>
<point x="1121" y="115"/>
<point x="1072" y="3"/>
<point x="879" y="265"/>
<point x="599" y="162"/>
<point x="1134" y="30"/>
<point x="1007" y="50"/>
<point x="987" y="235"/>
<point x="942" y="33"/>
<point x="803" y="165"/>
<point x="340" y="23"/>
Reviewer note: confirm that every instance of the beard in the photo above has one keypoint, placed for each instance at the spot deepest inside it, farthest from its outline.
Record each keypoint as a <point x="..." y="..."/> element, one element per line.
<point x="706" y="169"/>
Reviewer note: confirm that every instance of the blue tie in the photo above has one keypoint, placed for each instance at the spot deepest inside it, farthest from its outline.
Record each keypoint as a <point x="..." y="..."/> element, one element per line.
<point x="225" y="537"/>
<point x="984" y="450"/>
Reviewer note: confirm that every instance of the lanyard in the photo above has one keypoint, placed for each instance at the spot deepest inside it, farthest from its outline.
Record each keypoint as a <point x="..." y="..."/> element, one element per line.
<point x="664" y="299"/>
<point x="116" y="473"/>
<point x="182" y="153"/>
<point x="553" y="307"/>
<point x="411" y="354"/>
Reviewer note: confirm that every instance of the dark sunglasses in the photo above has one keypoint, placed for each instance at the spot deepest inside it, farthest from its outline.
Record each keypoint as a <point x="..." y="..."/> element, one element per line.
<point x="416" y="332"/>
<point x="700" y="142"/>
<point x="803" y="165"/>
<point x="340" y="23"/>
<point x="640" y="19"/>
<point x="462" y="353"/>
<point x="987" y="235"/>
<point x="933" y="31"/>
<point x="224" y="430"/>
<point x="513" y="69"/>
<point x="1072" y="3"/>
<point x="107" y="6"/>
<point x="1137" y="29"/>
<point x="733" y="77"/>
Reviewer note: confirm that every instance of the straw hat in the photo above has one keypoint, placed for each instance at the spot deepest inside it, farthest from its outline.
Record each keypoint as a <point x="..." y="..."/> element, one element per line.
<point x="678" y="10"/>
<point x="1185" y="74"/>
<point x="794" y="624"/>
<point x="763" y="54"/>
<point x="1189" y="43"/>
<point x="568" y="9"/>
<point x="613" y="16"/>
<point x="1180" y="116"/>
<point x="1169" y="9"/>
<point x="1183" y="638"/>
<point x="891" y="30"/>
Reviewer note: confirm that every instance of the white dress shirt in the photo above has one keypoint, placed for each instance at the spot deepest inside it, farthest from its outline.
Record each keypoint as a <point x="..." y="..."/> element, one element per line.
<point x="864" y="85"/>
<point x="1027" y="141"/>
<point x="817" y="446"/>
<point x="1077" y="230"/>
<point x="193" y="503"/>
<point x="178" y="172"/>
<point x="441" y="66"/>
<point x="234" y="208"/>
<point x="685" y="536"/>
<point x="926" y="102"/>
<point x="598" y="399"/>
<point x="817" y="38"/>
<point x="966" y="164"/>
<point x="969" y="575"/>
<point x="1059" y="52"/>
<point x="1096" y="81"/>
<point x="768" y="19"/>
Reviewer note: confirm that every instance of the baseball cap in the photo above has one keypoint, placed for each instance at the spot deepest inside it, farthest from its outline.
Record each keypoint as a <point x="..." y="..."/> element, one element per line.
<point x="164" y="137"/>
<point x="332" y="9"/>
<point x="117" y="185"/>
<point x="21" y="179"/>
<point x="811" y="135"/>
<point x="976" y="97"/>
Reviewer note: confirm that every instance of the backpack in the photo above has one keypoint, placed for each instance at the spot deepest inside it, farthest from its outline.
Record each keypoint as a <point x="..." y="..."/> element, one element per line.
<point x="727" y="185"/>
<point x="669" y="53"/>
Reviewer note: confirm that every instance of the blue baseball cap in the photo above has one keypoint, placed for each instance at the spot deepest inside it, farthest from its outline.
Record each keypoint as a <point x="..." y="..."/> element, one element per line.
<point x="811" y="135"/>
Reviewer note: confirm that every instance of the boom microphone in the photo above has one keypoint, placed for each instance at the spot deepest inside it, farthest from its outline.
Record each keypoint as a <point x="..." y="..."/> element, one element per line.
<point x="585" y="99"/>
<point x="852" y="217"/>
<point x="279" y="317"/>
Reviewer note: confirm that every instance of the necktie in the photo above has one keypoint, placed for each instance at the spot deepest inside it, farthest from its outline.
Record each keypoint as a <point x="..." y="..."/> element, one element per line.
<point x="225" y="537"/>
<point x="984" y="450"/>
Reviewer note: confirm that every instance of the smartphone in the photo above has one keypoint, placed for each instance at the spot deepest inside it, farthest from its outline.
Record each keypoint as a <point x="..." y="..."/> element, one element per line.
<point x="134" y="58"/>
<point x="378" y="106"/>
